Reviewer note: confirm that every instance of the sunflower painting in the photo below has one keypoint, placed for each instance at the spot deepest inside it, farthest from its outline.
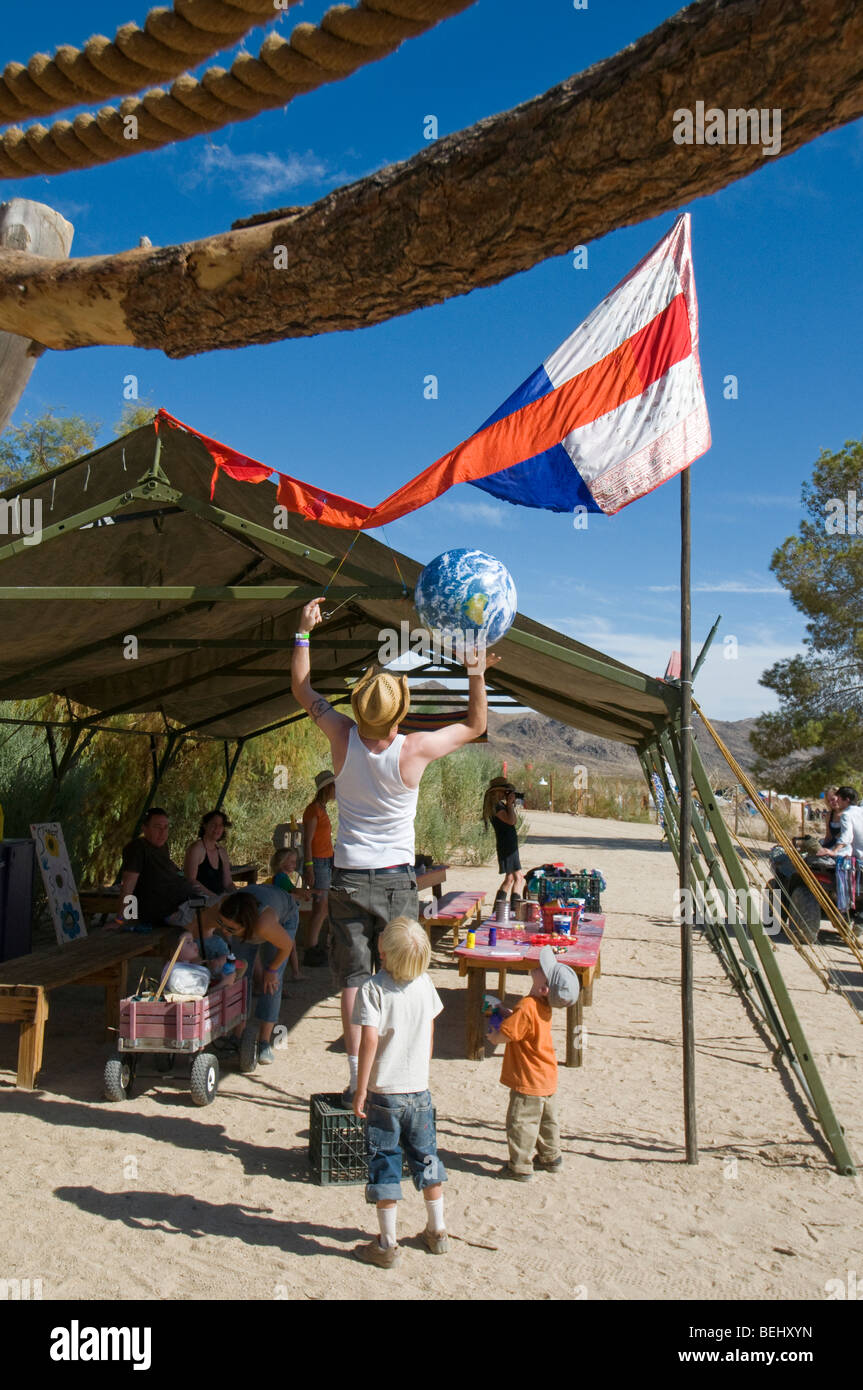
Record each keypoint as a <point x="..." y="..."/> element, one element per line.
<point x="59" y="882"/>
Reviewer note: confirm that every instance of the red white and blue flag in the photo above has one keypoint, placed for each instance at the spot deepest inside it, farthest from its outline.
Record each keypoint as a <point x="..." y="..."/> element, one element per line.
<point x="614" y="412"/>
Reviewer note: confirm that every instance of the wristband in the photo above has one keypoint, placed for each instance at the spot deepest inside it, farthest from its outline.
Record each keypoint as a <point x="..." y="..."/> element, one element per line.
<point x="301" y="642"/>
<point x="271" y="971"/>
<point x="302" y="634"/>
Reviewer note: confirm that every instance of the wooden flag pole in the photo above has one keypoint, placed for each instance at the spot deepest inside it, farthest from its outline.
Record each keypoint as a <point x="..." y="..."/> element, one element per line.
<point x="686" y="819"/>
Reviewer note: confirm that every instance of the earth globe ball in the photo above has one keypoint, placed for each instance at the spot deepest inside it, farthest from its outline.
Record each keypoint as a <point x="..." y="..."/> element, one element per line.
<point x="466" y="591"/>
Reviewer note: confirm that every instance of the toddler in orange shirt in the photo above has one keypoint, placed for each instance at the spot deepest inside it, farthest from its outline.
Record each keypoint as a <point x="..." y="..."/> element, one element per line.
<point x="530" y="1070"/>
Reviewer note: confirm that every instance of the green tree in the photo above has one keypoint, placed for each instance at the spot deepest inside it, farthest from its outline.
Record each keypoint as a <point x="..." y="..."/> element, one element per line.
<point x="133" y="415"/>
<point x="816" y="737"/>
<point x="46" y="442"/>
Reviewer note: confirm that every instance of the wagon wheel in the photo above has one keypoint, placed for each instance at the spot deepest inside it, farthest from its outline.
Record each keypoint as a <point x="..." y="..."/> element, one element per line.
<point x="205" y="1078"/>
<point x="118" y="1077"/>
<point x="165" y="1061"/>
<point x="249" y="1049"/>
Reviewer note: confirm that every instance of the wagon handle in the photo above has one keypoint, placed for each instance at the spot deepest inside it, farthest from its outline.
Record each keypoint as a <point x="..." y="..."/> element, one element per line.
<point x="167" y="974"/>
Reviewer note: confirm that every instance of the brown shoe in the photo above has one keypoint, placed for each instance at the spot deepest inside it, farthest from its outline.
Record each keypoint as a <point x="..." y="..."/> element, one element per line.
<point x="435" y="1241"/>
<point x="507" y="1172"/>
<point x="375" y="1254"/>
<point x="548" y="1165"/>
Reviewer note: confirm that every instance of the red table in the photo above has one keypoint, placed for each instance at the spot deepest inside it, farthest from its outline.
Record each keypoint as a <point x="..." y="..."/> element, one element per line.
<point x="583" y="956"/>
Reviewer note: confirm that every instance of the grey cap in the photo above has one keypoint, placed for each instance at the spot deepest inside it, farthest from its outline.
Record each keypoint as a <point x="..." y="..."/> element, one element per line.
<point x="562" y="981"/>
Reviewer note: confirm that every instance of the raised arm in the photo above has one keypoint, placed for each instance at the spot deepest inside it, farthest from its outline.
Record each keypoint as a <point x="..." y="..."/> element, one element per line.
<point x="336" y="726"/>
<point x="420" y="749"/>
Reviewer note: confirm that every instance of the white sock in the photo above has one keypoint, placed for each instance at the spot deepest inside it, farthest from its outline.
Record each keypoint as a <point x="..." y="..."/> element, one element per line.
<point x="387" y="1223"/>
<point x="353" y="1063"/>
<point x="434" y="1215"/>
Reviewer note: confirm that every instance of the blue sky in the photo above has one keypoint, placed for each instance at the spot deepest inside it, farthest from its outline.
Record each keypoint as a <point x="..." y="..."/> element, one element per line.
<point x="778" y="273"/>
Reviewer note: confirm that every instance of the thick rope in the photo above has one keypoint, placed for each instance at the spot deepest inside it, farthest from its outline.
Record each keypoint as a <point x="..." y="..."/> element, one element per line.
<point x="345" y="40"/>
<point x="170" y="42"/>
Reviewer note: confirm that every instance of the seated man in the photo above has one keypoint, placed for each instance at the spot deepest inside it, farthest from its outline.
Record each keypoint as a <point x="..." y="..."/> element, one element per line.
<point x="158" y="885"/>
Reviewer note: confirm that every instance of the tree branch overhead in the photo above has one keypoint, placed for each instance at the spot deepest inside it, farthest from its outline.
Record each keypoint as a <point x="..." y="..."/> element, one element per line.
<point x="593" y="154"/>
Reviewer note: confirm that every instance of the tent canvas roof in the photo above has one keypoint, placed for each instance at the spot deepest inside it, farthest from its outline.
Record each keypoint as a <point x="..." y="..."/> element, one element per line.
<point x="165" y="531"/>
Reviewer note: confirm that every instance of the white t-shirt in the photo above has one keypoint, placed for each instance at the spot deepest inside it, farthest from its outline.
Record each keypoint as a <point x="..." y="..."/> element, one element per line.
<point x="851" y="831"/>
<point x="402" y="1014"/>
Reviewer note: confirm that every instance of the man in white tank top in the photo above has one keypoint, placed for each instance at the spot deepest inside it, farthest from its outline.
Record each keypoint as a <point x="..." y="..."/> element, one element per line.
<point x="378" y="773"/>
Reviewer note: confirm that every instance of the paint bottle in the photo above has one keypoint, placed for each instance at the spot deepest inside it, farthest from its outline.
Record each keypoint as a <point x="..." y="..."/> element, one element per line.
<point x="492" y="935"/>
<point x="471" y="940"/>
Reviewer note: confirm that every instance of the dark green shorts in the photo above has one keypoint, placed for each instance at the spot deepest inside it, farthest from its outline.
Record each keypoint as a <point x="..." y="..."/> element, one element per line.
<point x="361" y="903"/>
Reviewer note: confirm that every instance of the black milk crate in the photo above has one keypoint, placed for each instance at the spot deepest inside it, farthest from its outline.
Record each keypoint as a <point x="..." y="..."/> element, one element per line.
<point x="338" y="1146"/>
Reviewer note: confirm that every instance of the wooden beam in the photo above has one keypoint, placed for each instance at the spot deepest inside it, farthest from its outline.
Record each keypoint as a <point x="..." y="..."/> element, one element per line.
<point x="29" y="227"/>
<point x="593" y="154"/>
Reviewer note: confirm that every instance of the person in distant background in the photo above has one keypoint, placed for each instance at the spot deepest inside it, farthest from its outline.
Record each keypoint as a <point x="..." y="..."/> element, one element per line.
<point x="831" y="818"/>
<point x="206" y="858"/>
<point x="849" y="843"/>
<point x="318" y="861"/>
<point x="499" y="811"/>
<point x="150" y="877"/>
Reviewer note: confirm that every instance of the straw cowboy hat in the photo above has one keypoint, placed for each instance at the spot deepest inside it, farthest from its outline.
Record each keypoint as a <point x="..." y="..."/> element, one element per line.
<point x="379" y="701"/>
<point x="323" y="779"/>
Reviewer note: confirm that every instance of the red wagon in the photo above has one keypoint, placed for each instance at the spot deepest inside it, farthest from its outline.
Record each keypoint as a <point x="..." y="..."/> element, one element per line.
<point x="186" y="1027"/>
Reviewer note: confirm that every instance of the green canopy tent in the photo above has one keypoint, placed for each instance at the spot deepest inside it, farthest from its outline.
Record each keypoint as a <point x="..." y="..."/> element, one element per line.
<point x="176" y="603"/>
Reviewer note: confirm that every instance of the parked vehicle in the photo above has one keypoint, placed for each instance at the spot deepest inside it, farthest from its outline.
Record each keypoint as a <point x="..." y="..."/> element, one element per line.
<point x="800" y="907"/>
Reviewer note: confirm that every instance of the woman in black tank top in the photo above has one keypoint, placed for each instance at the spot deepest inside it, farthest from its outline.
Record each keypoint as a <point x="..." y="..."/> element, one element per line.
<point x="831" y="818"/>
<point x="498" y="810"/>
<point x="206" y="859"/>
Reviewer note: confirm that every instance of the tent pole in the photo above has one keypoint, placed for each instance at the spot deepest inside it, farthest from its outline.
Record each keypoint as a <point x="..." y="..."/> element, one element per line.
<point x="230" y="768"/>
<point x="172" y="748"/>
<point x="685" y="829"/>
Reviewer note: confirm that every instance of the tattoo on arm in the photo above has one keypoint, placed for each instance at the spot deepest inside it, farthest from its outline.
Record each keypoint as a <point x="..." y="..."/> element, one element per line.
<point x="319" y="708"/>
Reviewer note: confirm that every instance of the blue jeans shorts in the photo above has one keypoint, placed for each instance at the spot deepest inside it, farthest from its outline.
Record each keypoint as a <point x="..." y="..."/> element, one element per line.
<point x="264" y="1007"/>
<point x="323" y="869"/>
<point x="400" y="1124"/>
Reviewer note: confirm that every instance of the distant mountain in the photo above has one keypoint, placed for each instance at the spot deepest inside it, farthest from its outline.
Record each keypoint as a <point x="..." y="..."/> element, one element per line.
<point x="535" y="738"/>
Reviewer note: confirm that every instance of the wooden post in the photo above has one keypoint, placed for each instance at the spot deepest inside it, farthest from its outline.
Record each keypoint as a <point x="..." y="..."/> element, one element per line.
<point x="40" y="231"/>
<point x="551" y="788"/>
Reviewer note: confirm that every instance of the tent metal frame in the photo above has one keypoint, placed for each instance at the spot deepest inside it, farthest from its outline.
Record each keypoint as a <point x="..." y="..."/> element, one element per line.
<point x="755" y="973"/>
<point x="738" y="937"/>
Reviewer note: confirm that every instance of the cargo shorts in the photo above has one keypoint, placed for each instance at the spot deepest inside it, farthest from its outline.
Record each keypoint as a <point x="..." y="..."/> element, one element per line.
<point x="361" y="903"/>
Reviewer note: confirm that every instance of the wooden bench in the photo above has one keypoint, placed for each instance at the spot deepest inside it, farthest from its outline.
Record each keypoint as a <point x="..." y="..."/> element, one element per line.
<point x="99" y="959"/>
<point x="453" y="910"/>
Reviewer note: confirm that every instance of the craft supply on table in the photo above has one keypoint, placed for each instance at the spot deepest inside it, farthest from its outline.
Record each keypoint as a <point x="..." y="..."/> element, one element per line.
<point x="492" y="936"/>
<point x="471" y="940"/>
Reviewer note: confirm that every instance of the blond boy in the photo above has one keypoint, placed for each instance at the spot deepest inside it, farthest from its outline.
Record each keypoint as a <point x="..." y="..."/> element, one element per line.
<point x="396" y="1010"/>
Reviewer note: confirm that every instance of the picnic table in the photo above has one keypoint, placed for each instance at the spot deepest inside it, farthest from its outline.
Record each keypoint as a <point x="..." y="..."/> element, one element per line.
<point x="99" y="959"/>
<point x="433" y="878"/>
<point x="583" y="956"/>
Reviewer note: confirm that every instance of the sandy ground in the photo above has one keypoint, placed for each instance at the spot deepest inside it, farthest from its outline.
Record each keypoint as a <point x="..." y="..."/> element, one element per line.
<point x="156" y="1199"/>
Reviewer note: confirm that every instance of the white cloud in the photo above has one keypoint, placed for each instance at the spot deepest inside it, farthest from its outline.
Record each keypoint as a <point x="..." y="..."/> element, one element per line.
<point x="260" y="176"/>
<point x="486" y="512"/>
<point x="726" y="687"/>
<point x="727" y="586"/>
